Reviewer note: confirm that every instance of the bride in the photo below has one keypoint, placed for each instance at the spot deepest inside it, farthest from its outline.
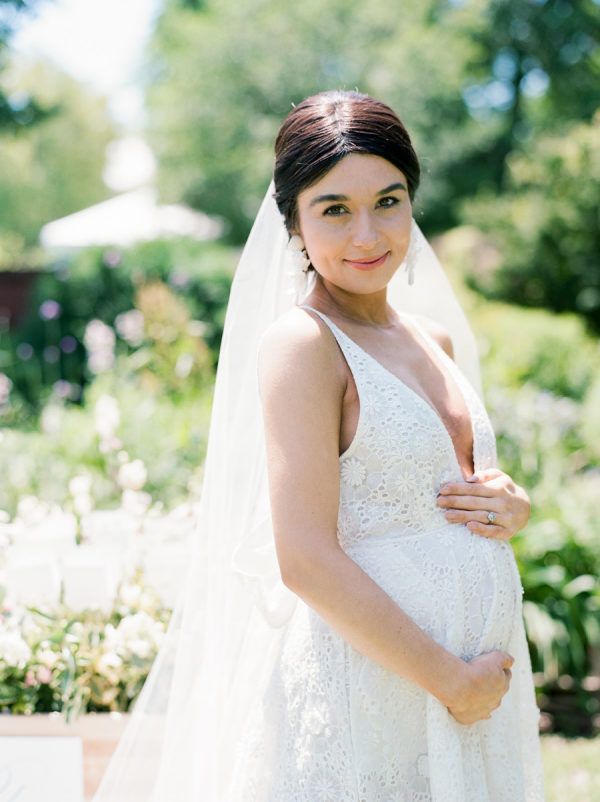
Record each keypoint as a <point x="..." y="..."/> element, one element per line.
<point x="351" y="626"/>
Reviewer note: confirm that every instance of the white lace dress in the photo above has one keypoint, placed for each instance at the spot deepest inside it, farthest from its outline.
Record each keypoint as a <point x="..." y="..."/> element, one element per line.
<point x="334" y="726"/>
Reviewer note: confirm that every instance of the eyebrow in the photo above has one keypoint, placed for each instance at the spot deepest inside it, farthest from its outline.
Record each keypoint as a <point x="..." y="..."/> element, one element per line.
<point x="324" y="198"/>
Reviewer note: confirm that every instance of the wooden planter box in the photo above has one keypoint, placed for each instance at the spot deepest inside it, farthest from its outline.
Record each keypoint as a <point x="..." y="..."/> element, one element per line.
<point x="99" y="732"/>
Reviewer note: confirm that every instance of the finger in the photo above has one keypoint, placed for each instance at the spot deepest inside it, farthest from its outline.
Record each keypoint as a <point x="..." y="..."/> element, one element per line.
<point x="467" y="516"/>
<point x="470" y="503"/>
<point x="488" y="530"/>
<point x="467" y="488"/>
<point x="488" y="473"/>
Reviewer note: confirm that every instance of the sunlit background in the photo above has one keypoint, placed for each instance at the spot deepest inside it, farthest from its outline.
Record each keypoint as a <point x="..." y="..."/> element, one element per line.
<point x="136" y="142"/>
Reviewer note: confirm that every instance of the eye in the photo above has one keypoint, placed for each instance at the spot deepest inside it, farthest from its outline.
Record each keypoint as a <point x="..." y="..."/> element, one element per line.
<point x="393" y="200"/>
<point x="330" y="210"/>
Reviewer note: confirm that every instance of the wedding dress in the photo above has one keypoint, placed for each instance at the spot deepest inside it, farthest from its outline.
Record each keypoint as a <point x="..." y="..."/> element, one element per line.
<point x="333" y="725"/>
<point x="253" y="697"/>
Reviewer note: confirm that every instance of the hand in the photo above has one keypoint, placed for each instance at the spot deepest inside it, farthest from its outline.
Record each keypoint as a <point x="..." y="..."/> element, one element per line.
<point x="490" y="490"/>
<point x="485" y="681"/>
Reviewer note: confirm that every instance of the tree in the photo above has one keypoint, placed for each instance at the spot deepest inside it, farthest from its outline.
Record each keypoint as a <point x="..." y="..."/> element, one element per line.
<point x="534" y="65"/>
<point x="55" y="167"/>
<point x="546" y="226"/>
<point x="16" y="111"/>
<point x="223" y="78"/>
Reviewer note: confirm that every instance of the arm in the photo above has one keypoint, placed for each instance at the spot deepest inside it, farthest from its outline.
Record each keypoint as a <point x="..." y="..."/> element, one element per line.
<point x="302" y="388"/>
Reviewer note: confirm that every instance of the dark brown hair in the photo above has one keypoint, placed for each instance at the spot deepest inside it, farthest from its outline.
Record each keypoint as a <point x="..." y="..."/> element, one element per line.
<point x="324" y="128"/>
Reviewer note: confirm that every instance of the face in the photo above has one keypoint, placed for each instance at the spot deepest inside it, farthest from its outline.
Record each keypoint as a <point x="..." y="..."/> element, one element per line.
<point x="356" y="222"/>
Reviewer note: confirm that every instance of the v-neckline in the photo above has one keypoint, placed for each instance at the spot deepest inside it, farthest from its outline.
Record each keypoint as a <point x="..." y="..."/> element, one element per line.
<point x="423" y="401"/>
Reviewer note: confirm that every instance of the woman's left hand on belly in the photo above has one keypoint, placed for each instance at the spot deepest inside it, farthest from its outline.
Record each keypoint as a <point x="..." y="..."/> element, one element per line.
<point x="493" y="491"/>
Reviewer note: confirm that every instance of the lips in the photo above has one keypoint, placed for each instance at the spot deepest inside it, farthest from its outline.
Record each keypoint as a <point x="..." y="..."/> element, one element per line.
<point x="367" y="264"/>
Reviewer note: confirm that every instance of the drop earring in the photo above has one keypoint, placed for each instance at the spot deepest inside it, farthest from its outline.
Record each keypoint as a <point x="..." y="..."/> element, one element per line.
<point x="412" y="253"/>
<point x="299" y="264"/>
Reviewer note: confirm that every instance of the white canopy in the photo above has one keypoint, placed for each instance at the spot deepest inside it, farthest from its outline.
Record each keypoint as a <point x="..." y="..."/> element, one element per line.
<point x="128" y="218"/>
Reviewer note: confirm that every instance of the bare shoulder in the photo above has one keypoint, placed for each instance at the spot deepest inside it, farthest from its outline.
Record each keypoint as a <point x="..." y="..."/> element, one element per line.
<point x="299" y="348"/>
<point x="437" y="332"/>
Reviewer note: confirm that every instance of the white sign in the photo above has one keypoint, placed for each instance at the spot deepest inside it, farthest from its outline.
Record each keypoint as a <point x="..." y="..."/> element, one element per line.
<point x="41" y="769"/>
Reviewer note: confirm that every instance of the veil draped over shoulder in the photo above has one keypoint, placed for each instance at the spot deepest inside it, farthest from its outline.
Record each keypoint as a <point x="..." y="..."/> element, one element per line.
<point x="184" y="733"/>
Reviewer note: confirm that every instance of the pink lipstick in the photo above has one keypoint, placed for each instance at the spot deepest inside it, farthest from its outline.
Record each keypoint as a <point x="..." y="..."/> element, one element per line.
<point x="368" y="264"/>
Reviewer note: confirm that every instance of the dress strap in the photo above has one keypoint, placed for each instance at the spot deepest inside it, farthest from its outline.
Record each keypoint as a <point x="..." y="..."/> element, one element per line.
<point x="353" y="355"/>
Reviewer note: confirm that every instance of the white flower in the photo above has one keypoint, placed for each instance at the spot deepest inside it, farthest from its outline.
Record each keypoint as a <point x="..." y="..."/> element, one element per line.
<point x="31" y="510"/>
<point x="183" y="366"/>
<point x="106" y="416"/>
<point x="130" y="326"/>
<point x="98" y="335"/>
<point x="100" y="342"/>
<point x="47" y="658"/>
<point x="80" y="485"/>
<point x="132" y="475"/>
<point x="83" y="504"/>
<point x="138" y="635"/>
<point x="130" y="594"/>
<point x="135" y="502"/>
<point x="51" y="419"/>
<point x="107" y="662"/>
<point x="353" y="472"/>
<point x="5" y="387"/>
<point x="14" y="651"/>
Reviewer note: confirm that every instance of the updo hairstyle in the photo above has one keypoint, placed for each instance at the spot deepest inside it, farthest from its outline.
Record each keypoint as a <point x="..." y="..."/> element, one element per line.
<point x="324" y="128"/>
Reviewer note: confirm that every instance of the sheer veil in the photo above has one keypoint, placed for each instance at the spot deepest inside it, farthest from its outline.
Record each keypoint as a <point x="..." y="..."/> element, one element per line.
<point x="183" y="737"/>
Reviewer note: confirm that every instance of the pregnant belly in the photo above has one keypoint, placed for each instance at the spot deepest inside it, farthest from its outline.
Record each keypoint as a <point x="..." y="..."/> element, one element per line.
<point x="460" y="588"/>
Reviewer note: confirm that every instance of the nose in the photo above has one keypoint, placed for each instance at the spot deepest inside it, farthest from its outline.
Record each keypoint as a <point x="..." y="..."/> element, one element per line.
<point x="364" y="232"/>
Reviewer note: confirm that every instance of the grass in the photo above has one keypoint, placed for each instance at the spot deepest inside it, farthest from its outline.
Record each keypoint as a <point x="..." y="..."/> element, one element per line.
<point x="571" y="769"/>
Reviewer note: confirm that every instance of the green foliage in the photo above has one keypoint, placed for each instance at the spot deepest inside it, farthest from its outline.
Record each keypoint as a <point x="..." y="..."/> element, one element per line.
<point x="41" y="462"/>
<point x="18" y="112"/>
<point x="101" y="284"/>
<point x="55" y="167"/>
<point x="77" y="662"/>
<point x="538" y="397"/>
<point x="223" y="77"/>
<point x="546" y="226"/>
<point x="223" y="80"/>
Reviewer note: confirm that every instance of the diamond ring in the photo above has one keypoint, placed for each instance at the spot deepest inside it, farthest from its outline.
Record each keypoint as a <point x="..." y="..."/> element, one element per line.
<point x="491" y="516"/>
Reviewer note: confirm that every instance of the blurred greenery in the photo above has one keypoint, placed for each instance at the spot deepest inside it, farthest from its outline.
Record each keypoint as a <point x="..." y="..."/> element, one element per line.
<point x="21" y="110"/>
<point x="546" y="225"/>
<point x="571" y="769"/>
<point x="47" y="350"/>
<point x="511" y="69"/>
<point x="539" y="400"/>
<point x="53" y="168"/>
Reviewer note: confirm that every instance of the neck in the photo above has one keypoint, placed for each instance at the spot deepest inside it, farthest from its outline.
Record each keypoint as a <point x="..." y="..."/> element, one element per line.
<point x="369" y="310"/>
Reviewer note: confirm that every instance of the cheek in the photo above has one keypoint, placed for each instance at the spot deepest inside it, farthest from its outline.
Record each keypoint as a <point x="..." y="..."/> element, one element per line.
<point x="324" y="240"/>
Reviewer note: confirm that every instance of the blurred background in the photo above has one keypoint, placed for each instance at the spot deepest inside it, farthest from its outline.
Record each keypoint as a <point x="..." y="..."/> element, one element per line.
<point x="136" y="143"/>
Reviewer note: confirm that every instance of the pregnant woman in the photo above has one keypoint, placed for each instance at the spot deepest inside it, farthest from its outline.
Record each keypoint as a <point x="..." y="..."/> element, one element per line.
<point x="351" y="626"/>
<point x="404" y="675"/>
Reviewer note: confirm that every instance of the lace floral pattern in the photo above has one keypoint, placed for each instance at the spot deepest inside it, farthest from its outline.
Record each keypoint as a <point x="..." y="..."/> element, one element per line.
<point x="334" y="726"/>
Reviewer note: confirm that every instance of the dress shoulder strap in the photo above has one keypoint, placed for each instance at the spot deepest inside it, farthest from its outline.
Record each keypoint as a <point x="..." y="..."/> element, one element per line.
<point x="353" y="355"/>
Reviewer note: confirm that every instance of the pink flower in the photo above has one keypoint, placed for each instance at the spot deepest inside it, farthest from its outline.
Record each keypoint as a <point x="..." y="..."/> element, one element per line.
<point x="44" y="675"/>
<point x="30" y="679"/>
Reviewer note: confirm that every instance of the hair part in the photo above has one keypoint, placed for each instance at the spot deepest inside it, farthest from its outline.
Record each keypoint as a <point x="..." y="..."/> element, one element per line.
<point x="324" y="128"/>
